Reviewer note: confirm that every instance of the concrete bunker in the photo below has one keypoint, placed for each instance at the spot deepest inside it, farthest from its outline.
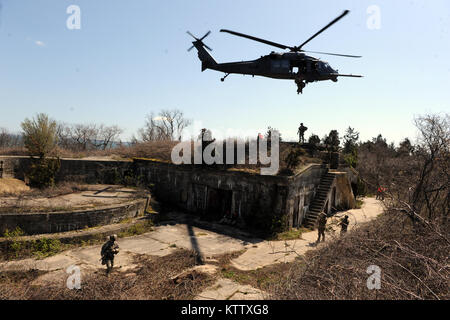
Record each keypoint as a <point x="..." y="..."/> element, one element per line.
<point x="257" y="200"/>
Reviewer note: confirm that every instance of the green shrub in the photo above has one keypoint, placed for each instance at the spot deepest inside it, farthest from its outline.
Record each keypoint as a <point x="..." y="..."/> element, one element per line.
<point x="351" y="158"/>
<point x="15" y="246"/>
<point x="17" y="232"/>
<point x="45" y="247"/>
<point x="42" y="172"/>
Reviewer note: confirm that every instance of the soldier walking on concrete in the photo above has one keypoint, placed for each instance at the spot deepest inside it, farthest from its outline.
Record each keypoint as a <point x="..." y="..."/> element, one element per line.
<point x="109" y="250"/>
<point x="321" y="223"/>
<point x="301" y="133"/>
<point x="344" y="224"/>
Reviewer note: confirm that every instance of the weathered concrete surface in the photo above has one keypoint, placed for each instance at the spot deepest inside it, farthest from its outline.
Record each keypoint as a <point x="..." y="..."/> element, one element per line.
<point x="270" y="252"/>
<point x="101" y="205"/>
<point x="167" y="238"/>
<point x="160" y="242"/>
<point x="94" y="196"/>
<point x="226" y="289"/>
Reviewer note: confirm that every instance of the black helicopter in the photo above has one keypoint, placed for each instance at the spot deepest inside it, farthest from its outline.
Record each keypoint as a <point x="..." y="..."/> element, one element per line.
<point x="292" y="65"/>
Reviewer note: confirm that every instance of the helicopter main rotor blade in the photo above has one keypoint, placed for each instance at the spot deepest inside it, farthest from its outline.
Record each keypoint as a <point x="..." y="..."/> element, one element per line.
<point x="207" y="34"/>
<point x="270" y="43"/>
<point x="333" y="54"/>
<point x="323" y="29"/>
<point x="191" y="35"/>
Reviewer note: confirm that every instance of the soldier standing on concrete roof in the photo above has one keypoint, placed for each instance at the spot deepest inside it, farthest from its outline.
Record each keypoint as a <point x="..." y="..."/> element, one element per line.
<point x="109" y="250"/>
<point x="321" y="223"/>
<point x="301" y="133"/>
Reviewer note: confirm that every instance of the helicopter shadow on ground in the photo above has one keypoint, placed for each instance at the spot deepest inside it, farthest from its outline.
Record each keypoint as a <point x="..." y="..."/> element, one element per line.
<point x="191" y="221"/>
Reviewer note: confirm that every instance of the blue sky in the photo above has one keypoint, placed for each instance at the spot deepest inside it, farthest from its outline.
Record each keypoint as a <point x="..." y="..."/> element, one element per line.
<point x="129" y="58"/>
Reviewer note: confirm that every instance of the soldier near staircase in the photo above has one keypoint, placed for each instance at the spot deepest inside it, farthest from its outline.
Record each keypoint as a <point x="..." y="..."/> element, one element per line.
<point x="344" y="224"/>
<point x="109" y="250"/>
<point x="321" y="223"/>
<point x="301" y="133"/>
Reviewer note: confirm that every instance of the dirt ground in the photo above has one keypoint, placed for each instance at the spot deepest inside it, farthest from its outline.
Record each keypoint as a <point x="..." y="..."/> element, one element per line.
<point x="251" y="253"/>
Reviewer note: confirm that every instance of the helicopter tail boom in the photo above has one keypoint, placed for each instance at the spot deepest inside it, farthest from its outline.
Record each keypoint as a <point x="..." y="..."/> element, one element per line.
<point x="204" y="56"/>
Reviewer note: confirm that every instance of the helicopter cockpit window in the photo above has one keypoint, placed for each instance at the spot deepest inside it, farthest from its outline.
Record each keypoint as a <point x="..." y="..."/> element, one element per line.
<point x="280" y="64"/>
<point x="285" y="64"/>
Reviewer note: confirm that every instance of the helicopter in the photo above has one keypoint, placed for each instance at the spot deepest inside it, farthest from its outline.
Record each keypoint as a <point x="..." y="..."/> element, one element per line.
<point x="293" y="65"/>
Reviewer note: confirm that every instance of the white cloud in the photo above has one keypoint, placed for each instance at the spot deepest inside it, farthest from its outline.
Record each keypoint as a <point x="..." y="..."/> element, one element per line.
<point x="39" y="43"/>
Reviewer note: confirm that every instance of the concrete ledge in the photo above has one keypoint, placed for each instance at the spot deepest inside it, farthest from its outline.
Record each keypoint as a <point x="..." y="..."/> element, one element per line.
<point x="79" y="235"/>
<point x="52" y="222"/>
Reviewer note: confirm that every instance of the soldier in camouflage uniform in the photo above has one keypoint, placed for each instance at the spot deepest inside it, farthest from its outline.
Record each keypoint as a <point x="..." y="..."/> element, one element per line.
<point x="301" y="133"/>
<point x="344" y="224"/>
<point x="321" y="223"/>
<point x="109" y="250"/>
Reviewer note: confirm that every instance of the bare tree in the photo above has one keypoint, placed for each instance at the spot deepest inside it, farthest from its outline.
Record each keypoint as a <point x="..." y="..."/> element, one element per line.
<point x="168" y="125"/>
<point x="8" y="140"/>
<point x="108" y="135"/>
<point x="64" y="134"/>
<point x="433" y="154"/>
<point x="84" y="136"/>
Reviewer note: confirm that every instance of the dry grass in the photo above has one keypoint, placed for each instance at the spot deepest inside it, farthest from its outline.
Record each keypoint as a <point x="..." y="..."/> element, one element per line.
<point x="152" y="280"/>
<point x="14" y="151"/>
<point x="414" y="265"/>
<point x="11" y="186"/>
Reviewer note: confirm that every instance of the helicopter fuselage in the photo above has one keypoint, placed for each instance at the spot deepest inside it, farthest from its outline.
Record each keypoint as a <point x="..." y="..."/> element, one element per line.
<point x="293" y="65"/>
<point x="289" y="66"/>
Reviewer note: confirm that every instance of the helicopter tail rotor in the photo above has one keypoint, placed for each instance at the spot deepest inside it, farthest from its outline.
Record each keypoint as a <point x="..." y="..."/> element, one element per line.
<point x="199" y="40"/>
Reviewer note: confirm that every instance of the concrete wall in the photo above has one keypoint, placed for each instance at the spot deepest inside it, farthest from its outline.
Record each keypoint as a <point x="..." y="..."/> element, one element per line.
<point x="261" y="202"/>
<point x="11" y="166"/>
<point x="87" y="171"/>
<point x="341" y="195"/>
<point x="37" y="223"/>
<point x="301" y="193"/>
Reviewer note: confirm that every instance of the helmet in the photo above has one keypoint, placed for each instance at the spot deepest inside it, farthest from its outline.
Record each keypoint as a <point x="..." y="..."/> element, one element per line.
<point x="113" y="237"/>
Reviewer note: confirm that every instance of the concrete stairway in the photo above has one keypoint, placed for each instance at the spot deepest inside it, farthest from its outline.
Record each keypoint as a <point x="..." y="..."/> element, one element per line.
<point x="319" y="201"/>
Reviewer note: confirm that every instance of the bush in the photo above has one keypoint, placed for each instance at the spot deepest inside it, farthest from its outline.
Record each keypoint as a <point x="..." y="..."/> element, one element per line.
<point x="293" y="158"/>
<point x="45" y="247"/>
<point x="15" y="246"/>
<point x="39" y="135"/>
<point x="351" y="159"/>
<point x="42" y="172"/>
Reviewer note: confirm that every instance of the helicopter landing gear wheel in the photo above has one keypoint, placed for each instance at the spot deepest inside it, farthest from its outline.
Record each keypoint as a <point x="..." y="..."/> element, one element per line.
<point x="223" y="79"/>
<point x="300" y="86"/>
